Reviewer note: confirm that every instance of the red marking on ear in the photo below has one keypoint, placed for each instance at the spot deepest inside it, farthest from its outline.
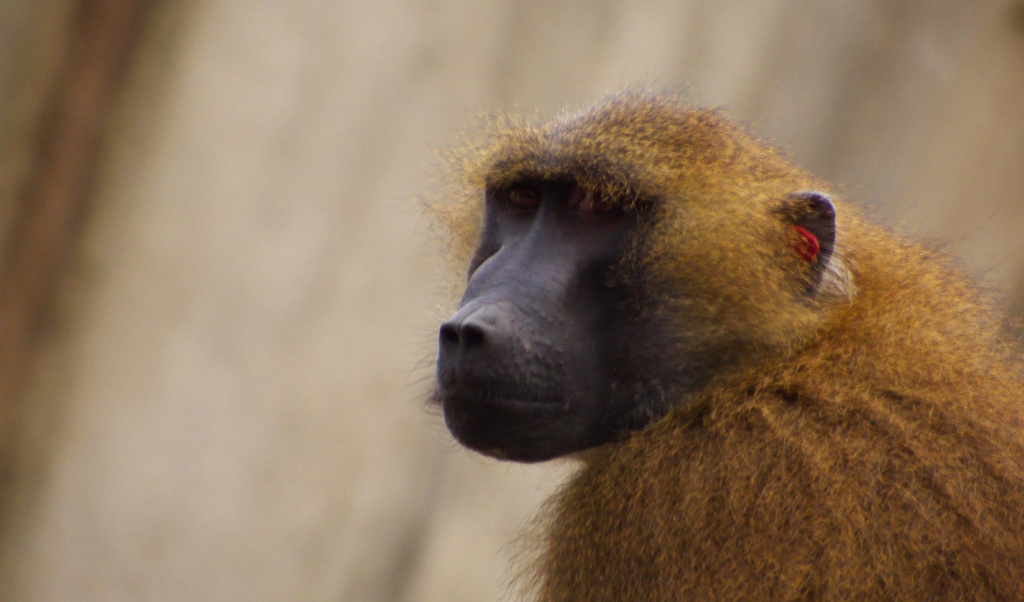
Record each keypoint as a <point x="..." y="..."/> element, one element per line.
<point x="808" y="246"/>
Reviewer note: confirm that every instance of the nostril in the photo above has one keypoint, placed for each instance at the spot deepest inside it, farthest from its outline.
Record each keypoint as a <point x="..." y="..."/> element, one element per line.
<point x="472" y="335"/>
<point x="462" y="334"/>
<point x="449" y="335"/>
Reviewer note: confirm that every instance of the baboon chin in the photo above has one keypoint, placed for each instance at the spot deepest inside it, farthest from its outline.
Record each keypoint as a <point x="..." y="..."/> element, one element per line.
<point x="777" y="399"/>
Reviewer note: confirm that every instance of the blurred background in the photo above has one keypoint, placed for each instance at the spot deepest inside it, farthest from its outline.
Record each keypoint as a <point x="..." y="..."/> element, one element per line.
<point x="219" y="296"/>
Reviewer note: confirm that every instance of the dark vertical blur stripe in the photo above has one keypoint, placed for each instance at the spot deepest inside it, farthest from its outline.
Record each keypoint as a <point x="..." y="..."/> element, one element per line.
<point x="54" y="195"/>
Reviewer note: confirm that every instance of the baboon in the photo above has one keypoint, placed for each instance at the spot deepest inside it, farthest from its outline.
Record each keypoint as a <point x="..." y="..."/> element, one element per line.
<point x="772" y="398"/>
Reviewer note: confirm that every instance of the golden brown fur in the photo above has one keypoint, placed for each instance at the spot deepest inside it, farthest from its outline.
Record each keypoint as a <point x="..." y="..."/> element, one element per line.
<point x="865" y="445"/>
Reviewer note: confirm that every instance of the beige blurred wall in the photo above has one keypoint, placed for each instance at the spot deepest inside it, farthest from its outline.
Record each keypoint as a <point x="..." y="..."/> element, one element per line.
<point x="228" y="402"/>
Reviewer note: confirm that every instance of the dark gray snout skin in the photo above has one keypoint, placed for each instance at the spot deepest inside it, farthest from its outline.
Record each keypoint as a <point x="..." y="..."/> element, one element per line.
<point x="520" y="369"/>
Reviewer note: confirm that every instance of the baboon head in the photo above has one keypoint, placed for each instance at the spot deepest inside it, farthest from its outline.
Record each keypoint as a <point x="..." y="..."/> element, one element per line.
<point x="622" y="258"/>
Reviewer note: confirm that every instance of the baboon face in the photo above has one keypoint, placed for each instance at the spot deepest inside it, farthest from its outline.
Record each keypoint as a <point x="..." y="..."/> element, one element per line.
<point x="586" y="315"/>
<point x="531" y="364"/>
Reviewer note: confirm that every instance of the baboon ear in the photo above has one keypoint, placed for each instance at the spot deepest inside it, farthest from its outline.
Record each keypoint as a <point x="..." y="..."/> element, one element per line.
<point x="813" y="219"/>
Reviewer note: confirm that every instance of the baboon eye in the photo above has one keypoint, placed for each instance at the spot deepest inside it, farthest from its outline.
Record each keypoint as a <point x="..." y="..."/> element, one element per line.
<point x="588" y="201"/>
<point x="524" y="196"/>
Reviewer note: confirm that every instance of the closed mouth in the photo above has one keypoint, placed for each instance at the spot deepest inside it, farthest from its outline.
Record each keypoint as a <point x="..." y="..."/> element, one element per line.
<point x="488" y="398"/>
